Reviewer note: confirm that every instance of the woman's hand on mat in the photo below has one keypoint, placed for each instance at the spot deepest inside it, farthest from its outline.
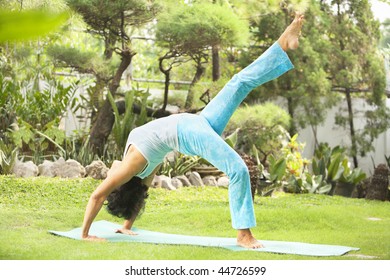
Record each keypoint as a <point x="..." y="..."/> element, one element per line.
<point x="126" y="231"/>
<point x="94" y="238"/>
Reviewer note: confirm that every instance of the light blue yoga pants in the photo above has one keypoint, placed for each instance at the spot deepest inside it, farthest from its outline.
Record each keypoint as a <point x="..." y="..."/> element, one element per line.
<point x="201" y="134"/>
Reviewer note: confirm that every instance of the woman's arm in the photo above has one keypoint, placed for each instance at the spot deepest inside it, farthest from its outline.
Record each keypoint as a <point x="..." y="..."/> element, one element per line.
<point x="148" y="180"/>
<point x="126" y="229"/>
<point x="132" y="164"/>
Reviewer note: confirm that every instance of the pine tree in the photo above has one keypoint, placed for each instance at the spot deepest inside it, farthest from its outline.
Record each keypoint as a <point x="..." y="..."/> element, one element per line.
<point x="110" y="21"/>
<point x="356" y="69"/>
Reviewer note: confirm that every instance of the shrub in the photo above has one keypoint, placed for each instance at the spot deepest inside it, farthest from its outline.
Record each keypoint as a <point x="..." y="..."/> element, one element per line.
<point x="263" y="126"/>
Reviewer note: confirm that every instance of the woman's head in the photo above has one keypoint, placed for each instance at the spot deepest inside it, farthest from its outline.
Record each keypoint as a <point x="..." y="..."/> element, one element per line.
<point x="128" y="200"/>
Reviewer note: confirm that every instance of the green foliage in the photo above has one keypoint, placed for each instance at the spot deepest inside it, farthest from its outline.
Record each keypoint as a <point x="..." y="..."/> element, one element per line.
<point x="276" y="169"/>
<point x="357" y="68"/>
<point x="387" y="160"/>
<point x="315" y="184"/>
<point x="40" y="105"/>
<point x="180" y="164"/>
<point x="292" y="153"/>
<point x="333" y="166"/>
<point x="107" y="18"/>
<point x="189" y="29"/>
<point x="18" y="26"/>
<point x="83" y="61"/>
<point x="351" y="176"/>
<point x="385" y="40"/>
<point x="124" y="124"/>
<point x="8" y="157"/>
<point x="263" y="126"/>
<point x="38" y="144"/>
<point x="32" y="110"/>
<point x="39" y="113"/>
<point x="289" y="170"/>
<point x="232" y="139"/>
<point x="7" y="104"/>
<point x="327" y="162"/>
<point x="338" y="51"/>
<point x="77" y="147"/>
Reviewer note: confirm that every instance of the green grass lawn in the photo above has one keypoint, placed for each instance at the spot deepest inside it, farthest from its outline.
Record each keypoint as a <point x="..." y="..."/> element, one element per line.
<point x="31" y="207"/>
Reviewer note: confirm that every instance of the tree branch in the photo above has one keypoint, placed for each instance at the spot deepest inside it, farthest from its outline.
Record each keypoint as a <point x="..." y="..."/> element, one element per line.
<point x="151" y="112"/>
<point x="344" y="90"/>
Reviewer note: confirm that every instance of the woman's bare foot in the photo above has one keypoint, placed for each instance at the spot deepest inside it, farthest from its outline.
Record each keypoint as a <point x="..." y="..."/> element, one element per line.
<point x="289" y="40"/>
<point x="245" y="239"/>
<point x="94" y="238"/>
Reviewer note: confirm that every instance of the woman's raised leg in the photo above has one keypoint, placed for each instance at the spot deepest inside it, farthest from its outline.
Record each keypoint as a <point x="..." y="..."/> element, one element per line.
<point x="270" y="65"/>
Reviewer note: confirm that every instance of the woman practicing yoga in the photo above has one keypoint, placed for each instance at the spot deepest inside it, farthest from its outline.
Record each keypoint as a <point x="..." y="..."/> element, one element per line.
<point x="125" y="187"/>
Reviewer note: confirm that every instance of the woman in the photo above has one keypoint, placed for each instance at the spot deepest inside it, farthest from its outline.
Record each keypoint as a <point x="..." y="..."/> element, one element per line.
<point x="193" y="135"/>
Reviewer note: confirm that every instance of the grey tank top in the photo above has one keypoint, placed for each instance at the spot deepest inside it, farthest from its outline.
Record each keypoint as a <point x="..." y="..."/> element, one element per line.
<point x="154" y="140"/>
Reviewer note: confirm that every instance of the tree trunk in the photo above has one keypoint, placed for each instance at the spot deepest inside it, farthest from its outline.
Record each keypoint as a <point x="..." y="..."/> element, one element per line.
<point x="167" y="74"/>
<point x="96" y="98"/>
<point x="102" y="127"/>
<point x="351" y="126"/>
<point x="292" y="130"/>
<point x="190" y="97"/>
<point x="166" y="89"/>
<point x="216" y="68"/>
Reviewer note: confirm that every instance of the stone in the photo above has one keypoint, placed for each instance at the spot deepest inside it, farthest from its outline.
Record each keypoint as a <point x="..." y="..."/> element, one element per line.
<point x="97" y="170"/>
<point x="46" y="169"/>
<point x="210" y="181"/>
<point x="156" y="182"/>
<point x="223" y="182"/>
<point x="195" y="179"/>
<point x="25" y="169"/>
<point x="58" y="165"/>
<point x="171" y="157"/>
<point x="176" y="182"/>
<point x="68" y="169"/>
<point x="184" y="180"/>
<point x="166" y="183"/>
<point x="378" y="187"/>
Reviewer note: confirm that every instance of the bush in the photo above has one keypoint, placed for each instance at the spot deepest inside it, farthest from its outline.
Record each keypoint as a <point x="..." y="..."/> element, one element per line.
<point x="263" y="126"/>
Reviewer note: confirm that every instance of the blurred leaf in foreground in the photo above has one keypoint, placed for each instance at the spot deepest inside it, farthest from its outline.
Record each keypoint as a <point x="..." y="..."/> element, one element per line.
<point x="18" y="26"/>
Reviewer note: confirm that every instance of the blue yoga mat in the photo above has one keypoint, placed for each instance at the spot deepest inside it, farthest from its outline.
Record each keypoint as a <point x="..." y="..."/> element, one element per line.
<point x="107" y="230"/>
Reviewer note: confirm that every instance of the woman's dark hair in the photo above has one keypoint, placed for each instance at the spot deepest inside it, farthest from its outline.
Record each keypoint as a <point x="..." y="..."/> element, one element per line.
<point x="128" y="200"/>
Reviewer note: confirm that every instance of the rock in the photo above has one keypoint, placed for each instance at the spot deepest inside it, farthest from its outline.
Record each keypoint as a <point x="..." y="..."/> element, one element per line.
<point x="184" y="180"/>
<point x="46" y="169"/>
<point x="378" y="187"/>
<point x="210" y="181"/>
<point x="176" y="182"/>
<point x="223" y="182"/>
<point x="195" y="179"/>
<point x="68" y="169"/>
<point x="173" y="109"/>
<point x="156" y="182"/>
<point x="166" y="183"/>
<point x="25" y="169"/>
<point x="171" y="157"/>
<point x="97" y="170"/>
<point x="58" y="166"/>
